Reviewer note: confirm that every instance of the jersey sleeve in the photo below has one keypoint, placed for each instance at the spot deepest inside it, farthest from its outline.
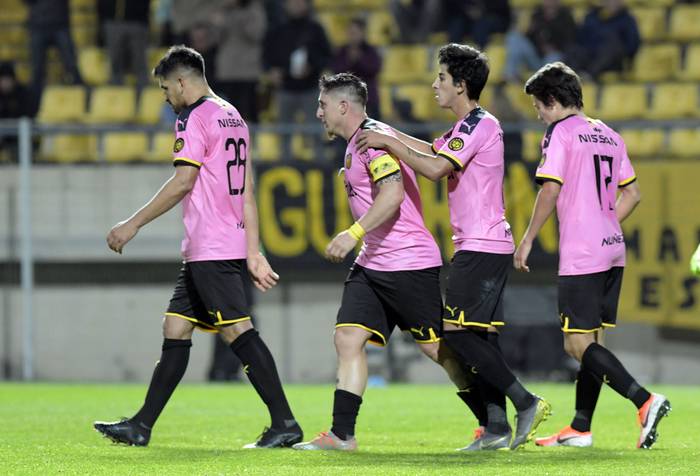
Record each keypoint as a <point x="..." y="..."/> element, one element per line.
<point x="627" y="175"/>
<point x="460" y="148"/>
<point x="381" y="165"/>
<point x="440" y="141"/>
<point x="190" y="143"/>
<point x="553" y="162"/>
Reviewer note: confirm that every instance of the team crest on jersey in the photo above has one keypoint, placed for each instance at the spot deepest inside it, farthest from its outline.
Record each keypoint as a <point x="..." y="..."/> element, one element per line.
<point x="455" y="144"/>
<point x="348" y="161"/>
<point x="179" y="144"/>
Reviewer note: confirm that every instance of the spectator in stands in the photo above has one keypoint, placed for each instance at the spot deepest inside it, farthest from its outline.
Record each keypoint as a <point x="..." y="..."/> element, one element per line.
<point x="185" y="15"/>
<point x="478" y="19"/>
<point x="14" y="103"/>
<point x="202" y="38"/>
<point x="363" y="60"/>
<point x="240" y="27"/>
<point x="551" y="31"/>
<point x="49" y="24"/>
<point x="606" y="41"/>
<point x="416" y="18"/>
<point x="294" y="55"/>
<point x="126" y="36"/>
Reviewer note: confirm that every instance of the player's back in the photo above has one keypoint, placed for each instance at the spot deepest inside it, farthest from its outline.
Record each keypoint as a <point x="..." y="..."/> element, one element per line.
<point x="590" y="161"/>
<point x="212" y="136"/>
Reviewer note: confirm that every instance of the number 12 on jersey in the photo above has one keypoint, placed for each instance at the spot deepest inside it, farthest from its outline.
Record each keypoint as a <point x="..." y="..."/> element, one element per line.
<point x="235" y="169"/>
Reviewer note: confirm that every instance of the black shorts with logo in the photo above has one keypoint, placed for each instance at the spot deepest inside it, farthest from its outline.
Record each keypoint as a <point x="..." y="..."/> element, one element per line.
<point x="588" y="302"/>
<point x="378" y="301"/>
<point x="475" y="287"/>
<point x="210" y="294"/>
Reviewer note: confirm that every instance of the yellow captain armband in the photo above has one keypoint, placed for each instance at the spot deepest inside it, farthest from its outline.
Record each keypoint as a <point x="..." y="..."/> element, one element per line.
<point x="356" y="231"/>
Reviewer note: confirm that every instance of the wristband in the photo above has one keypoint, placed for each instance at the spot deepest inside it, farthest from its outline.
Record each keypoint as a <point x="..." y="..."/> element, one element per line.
<point x="356" y="231"/>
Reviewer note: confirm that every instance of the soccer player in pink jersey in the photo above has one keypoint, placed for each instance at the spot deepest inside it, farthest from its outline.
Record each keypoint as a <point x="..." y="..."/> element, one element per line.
<point x="584" y="164"/>
<point x="213" y="179"/>
<point x="394" y="281"/>
<point x="470" y="155"/>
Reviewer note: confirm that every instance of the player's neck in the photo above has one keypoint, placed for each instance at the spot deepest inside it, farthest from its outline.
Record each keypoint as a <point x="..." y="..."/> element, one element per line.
<point x="197" y="93"/>
<point x="462" y="108"/>
<point x="565" y="112"/>
<point x="352" y="125"/>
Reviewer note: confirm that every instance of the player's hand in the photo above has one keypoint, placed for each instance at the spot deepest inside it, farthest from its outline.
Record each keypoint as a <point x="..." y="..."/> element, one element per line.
<point x="261" y="272"/>
<point x="120" y="235"/>
<point x="521" y="255"/>
<point x="372" y="139"/>
<point x="695" y="262"/>
<point x="338" y="249"/>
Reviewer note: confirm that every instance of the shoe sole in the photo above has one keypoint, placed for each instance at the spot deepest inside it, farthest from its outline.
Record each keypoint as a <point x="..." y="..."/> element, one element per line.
<point x="116" y="440"/>
<point x="649" y="441"/>
<point x="286" y="444"/>
<point x="546" y="412"/>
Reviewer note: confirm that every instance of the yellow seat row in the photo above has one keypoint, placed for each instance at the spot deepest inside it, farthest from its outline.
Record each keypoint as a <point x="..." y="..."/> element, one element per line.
<point x="108" y="104"/>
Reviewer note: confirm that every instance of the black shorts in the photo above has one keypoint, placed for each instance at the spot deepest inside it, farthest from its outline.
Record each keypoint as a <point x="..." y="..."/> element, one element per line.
<point x="377" y="301"/>
<point x="475" y="287"/>
<point x="210" y="294"/>
<point x="588" y="302"/>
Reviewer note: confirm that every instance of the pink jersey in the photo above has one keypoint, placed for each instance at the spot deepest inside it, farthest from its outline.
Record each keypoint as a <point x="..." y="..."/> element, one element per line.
<point x="590" y="162"/>
<point x="212" y="136"/>
<point x="474" y="146"/>
<point x="403" y="242"/>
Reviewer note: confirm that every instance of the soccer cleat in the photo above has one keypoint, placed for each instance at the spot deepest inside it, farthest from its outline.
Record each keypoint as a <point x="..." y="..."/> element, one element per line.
<point x="653" y="410"/>
<point x="479" y="432"/>
<point x="327" y="441"/>
<point x="567" y="437"/>
<point x="527" y="421"/>
<point x="277" y="438"/>
<point x="489" y="441"/>
<point x="124" y="431"/>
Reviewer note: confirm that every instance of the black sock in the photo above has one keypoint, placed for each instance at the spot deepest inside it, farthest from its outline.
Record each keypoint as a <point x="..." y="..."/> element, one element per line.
<point x="587" y="392"/>
<point x="475" y="350"/>
<point x="167" y="374"/>
<point x="606" y="367"/>
<point x="259" y="366"/>
<point x="346" y="406"/>
<point x="494" y="399"/>
<point x="472" y="397"/>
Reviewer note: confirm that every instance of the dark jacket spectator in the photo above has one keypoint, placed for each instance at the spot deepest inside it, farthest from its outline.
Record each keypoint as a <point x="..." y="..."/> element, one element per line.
<point x="477" y="18"/>
<point x="14" y="98"/>
<point x="362" y="59"/>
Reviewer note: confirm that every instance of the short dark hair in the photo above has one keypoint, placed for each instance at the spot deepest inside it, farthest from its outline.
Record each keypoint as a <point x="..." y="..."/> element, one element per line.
<point x="350" y="84"/>
<point x="465" y="63"/>
<point x="179" y="56"/>
<point x="556" y="81"/>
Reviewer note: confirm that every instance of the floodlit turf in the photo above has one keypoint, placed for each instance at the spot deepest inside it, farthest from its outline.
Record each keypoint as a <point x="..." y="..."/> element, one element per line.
<point x="403" y="429"/>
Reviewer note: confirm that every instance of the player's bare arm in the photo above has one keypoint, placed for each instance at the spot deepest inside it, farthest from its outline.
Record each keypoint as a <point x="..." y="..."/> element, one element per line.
<point x="386" y="204"/>
<point x="413" y="142"/>
<point x="628" y="199"/>
<point x="545" y="204"/>
<point x="167" y="197"/>
<point x="425" y="163"/>
<point x="261" y="273"/>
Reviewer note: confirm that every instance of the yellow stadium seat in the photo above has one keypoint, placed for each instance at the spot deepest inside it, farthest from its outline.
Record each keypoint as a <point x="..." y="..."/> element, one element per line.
<point x="590" y="99"/>
<point x="161" y="147"/>
<point x="151" y="102"/>
<point x="67" y="148"/>
<point x="656" y="62"/>
<point x="125" y="146"/>
<point x="518" y="4"/>
<point x="674" y="100"/>
<point x="336" y="25"/>
<point x="521" y="102"/>
<point x="684" y="143"/>
<point x="691" y="65"/>
<point x="13" y="11"/>
<point x="622" y="101"/>
<point x="369" y="4"/>
<point x="268" y="146"/>
<point x="110" y="104"/>
<point x="94" y="66"/>
<point x="644" y="142"/>
<point x="404" y="64"/>
<point x="486" y="98"/>
<point x="381" y="28"/>
<point x="62" y="104"/>
<point x="421" y="99"/>
<point x="685" y="22"/>
<point x="531" y="148"/>
<point x="497" y="60"/>
<point x="651" y="22"/>
<point x="302" y="148"/>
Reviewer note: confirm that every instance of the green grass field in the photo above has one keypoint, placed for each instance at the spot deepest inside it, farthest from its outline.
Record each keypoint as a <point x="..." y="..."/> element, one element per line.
<point x="402" y="429"/>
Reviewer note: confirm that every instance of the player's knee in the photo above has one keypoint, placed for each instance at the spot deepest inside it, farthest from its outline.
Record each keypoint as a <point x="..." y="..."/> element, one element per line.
<point x="232" y="332"/>
<point x="575" y="345"/>
<point x="349" y="340"/>
<point x="177" y="328"/>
